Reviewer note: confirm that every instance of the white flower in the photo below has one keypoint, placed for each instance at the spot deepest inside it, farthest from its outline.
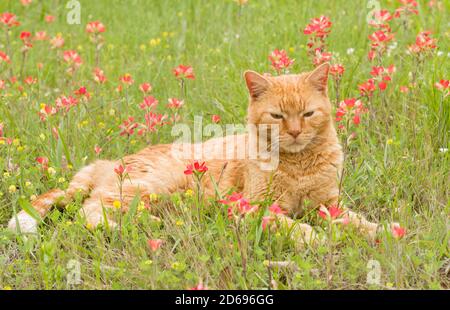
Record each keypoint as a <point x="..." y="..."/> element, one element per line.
<point x="443" y="150"/>
<point x="440" y="53"/>
<point x="350" y="51"/>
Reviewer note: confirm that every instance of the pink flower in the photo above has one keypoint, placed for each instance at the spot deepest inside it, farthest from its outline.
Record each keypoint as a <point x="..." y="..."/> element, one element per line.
<point x="408" y="8"/>
<point x="404" y="89"/>
<point x="66" y="103"/>
<point x="30" y="80"/>
<point x="25" y="36"/>
<point x="49" y="19"/>
<point x="152" y="121"/>
<point x="4" y="57"/>
<point x="280" y="60"/>
<point x="40" y="36"/>
<point x="381" y="37"/>
<point x="154" y="244"/>
<point x="215" y="118"/>
<point x="175" y="103"/>
<point x="1" y="129"/>
<point x="198" y="287"/>
<point x="443" y="86"/>
<point x="367" y="88"/>
<point x="337" y="70"/>
<point x="334" y="214"/>
<point x="397" y="231"/>
<point x="196" y="168"/>
<point x="319" y="27"/>
<point x="9" y="19"/>
<point x="43" y="161"/>
<point x="423" y="43"/>
<point x="99" y="76"/>
<point x="122" y="170"/>
<point x="26" y="2"/>
<point x="95" y="27"/>
<point x="82" y="92"/>
<point x="183" y="71"/>
<point x="238" y="203"/>
<point x="57" y="41"/>
<point x="275" y="209"/>
<point x="72" y="58"/>
<point x="266" y="220"/>
<point x="380" y="18"/>
<point x="128" y="126"/>
<point x="2" y="84"/>
<point x="145" y="87"/>
<point x="321" y="57"/>
<point x="97" y="149"/>
<point x="126" y="79"/>
<point x="149" y="103"/>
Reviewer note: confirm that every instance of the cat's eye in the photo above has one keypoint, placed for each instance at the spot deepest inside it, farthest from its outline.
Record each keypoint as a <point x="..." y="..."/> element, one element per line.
<point x="276" y="116"/>
<point x="308" y="114"/>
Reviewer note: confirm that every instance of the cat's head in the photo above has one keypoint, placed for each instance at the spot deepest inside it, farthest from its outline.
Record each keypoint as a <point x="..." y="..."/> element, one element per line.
<point x="299" y="104"/>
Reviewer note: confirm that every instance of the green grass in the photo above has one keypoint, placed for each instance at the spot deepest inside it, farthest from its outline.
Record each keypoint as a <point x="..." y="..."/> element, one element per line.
<point x="405" y="181"/>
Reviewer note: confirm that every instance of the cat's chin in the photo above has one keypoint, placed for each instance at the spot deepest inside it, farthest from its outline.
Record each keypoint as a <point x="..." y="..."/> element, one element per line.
<point x="293" y="148"/>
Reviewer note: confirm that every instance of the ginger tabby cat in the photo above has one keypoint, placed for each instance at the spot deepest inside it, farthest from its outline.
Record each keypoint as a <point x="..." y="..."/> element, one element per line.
<point x="310" y="158"/>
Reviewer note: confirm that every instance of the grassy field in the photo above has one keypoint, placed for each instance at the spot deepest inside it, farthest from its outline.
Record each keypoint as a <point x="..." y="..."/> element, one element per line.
<point x="396" y="169"/>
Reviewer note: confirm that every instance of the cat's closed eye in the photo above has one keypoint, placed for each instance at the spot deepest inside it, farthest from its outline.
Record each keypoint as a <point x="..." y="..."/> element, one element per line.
<point x="276" y="115"/>
<point x="308" y="114"/>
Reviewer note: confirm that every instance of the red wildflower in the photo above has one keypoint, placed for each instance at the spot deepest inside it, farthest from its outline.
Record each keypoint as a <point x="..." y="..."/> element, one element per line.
<point x="29" y="80"/>
<point x="198" y="287"/>
<point x="196" y="168"/>
<point x="423" y="43"/>
<point x="95" y="27"/>
<point x="128" y="126"/>
<point x="122" y="170"/>
<point x="321" y="57"/>
<point x="183" y="71"/>
<point x="9" y="19"/>
<point x="275" y="209"/>
<point x="154" y="244"/>
<point x="152" y="121"/>
<point x="397" y="231"/>
<point x="367" y="88"/>
<point x="99" y="76"/>
<point x="126" y="79"/>
<point x="72" y="58"/>
<point x="443" y="86"/>
<point x="280" y="60"/>
<point x="4" y="57"/>
<point x="40" y="36"/>
<point x="149" y="102"/>
<point x="319" y="27"/>
<point x="82" y="92"/>
<point x="57" y="41"/>
<point x="43" y="161"/>
<point x="175" y="103"/>
<point x="97" y="149"/>
<point x="237" y="202"/>
<point x="145" y="87"/>
<point x="49" y="19"/>
<point x="337" y="70"/>
<point x="215" y="118"/>
<point x="380" y="18"/>
<point x="66" y="103"/>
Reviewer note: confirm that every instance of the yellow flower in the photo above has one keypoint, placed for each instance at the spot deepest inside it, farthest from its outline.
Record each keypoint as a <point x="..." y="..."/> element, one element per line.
<point x="7" y="288"/>
<point x="24" y="94"/>
<point x="12" y="189"/>
<point x="2" y="142"/>
<point x="69" y="223"/>
<point x="16" y="142"/>
<point x="42" y="137"/>
<point x="112" y="112"/>
<point x="117" y="204"/>
<point x="80" y="47"/>
<point x="61" y="180"/>
<point x="28" y="184"/>
<point x="389" y="284"/>
<point x="6" y="175"/>
<point x="69" y="166"/>
<point x="89" y="226"/>
<point x="153" y="197"/>
<point x="141" y="206"/>
<point x="179" y="223"/>
<point x="176" y="265"/>
<point x="390" y="141"/>
<point x="142" y="47"/>
<point x="20" y="149"/>
<point x="51" y="171"/>
<point x="189" y="193"/>
<point x="292" y="49"/>
<point x="148" y="262"/>
<point x="101" y="125"/>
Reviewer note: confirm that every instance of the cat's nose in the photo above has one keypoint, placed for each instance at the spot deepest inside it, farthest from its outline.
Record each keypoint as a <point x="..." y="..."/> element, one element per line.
<point x="294" y="133"/>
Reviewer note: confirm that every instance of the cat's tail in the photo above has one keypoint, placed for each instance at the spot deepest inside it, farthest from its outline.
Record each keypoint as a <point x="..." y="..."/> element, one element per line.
<point x="81" y="183"/>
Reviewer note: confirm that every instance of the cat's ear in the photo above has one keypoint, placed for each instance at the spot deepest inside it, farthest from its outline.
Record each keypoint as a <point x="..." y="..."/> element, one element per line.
<point x="319" y="78"/>
<point x="256" y="83"/>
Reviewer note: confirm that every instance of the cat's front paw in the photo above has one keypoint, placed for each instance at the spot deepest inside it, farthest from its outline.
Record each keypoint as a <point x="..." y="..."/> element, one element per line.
<point x="24" y="223"/>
